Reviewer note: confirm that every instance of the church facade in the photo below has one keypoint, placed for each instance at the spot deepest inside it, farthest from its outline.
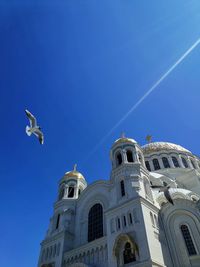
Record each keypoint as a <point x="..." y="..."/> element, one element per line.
<point x="126" y="221"/>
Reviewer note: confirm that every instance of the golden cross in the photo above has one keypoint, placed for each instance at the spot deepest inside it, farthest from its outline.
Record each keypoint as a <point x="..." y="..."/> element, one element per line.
<point x="149" y="138"/>
<point x="75" y="166"/>
<point x="123" y="135"/>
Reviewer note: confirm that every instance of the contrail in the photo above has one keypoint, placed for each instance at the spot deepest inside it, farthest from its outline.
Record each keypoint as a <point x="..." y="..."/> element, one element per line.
<point x="148" y="92"/>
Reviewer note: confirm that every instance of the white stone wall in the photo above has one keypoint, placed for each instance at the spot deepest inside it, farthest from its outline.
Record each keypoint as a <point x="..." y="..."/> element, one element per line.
<point x="150" y="217"/>
<point x="151" y="225"/>
<point x="184" y="212"/>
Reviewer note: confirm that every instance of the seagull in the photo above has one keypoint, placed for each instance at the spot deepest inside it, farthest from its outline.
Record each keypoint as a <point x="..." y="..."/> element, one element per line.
<point x="165" y="190"/>
<point x="34" y="128"/>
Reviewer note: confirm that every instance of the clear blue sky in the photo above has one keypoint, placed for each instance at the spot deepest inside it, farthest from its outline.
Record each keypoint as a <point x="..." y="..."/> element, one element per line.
<point x="79" y="66"/>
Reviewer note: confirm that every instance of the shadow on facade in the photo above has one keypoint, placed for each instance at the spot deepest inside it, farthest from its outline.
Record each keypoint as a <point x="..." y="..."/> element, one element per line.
<point x="179" y="233"/>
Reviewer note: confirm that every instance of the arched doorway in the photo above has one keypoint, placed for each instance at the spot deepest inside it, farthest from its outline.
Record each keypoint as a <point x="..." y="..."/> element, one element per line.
<point x="125" y="250"/>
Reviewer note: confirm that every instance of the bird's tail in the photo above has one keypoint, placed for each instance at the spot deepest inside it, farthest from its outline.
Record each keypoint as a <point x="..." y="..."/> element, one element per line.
<point x="27" y="130"/>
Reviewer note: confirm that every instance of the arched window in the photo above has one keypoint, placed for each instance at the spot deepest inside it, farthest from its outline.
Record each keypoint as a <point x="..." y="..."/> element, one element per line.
<point x="184" y="162"/>
<point x="129" y="155"/>
<point x="176" y="163"/>
<point x="119" y="159"/>
<point x="156" y="164"/>
<point x="58" y="221"/>
<point x="95" y="222"/>
<point x="147" y="165"/>
<point x="165" y="162"/>
<point x="130" y="218"/>
<point x="122" y="188"/>
<point x="188" y="240"/>
<point x="193" y="165"/>
<point x="71" y="191"/>
<point x="128" y="254"/>
<point x="79" y="191"/>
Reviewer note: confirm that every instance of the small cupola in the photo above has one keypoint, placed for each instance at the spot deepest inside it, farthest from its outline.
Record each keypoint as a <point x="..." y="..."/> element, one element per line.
<point x="125" y="150"/>
<point x="71" y="185"/>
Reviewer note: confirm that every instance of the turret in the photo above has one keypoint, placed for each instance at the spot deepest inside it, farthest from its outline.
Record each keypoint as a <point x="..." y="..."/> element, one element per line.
<point x="129" y="172"/>
<point x="60" y="234"/>
<point x="126" y="150"/>
<point x="71" y="185"/>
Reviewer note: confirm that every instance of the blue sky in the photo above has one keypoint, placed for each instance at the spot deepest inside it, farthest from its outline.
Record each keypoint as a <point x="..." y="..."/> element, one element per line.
<point x="79" y="66"/>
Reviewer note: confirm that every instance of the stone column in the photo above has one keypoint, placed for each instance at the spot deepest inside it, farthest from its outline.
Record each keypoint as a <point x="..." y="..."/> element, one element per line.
<point x="136" y="157"/>
<point x="171" y="163"/>
<point x="180" y="161"/>
<point x="189" y="163"/>
<point x="151" y="165"/>
<point x="124" y="157"/>
<point x="161" y="163"/>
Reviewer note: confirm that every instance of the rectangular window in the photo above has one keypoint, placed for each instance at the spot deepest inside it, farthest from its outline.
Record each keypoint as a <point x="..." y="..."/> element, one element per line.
<point x="130" y="218"/>
<point x="124" y="221"/>
<point x="118" y="224"/>
<point x="71" y="192"/>
<point x="58" y="220"/>
<point x="147" y="165"/>
<point x="156" y="164"/>
<point x="188" y="240"/>
<point x="122" y="188"/>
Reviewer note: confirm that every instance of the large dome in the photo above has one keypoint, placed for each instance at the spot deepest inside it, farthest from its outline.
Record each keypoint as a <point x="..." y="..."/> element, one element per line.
<point x="160" y="146"/>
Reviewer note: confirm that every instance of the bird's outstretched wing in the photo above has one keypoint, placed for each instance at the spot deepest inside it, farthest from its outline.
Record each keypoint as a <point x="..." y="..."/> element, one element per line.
<point x="32" y="119"/>
<point x="168" y="196"/>
<point x="39" y="135"/>
<point x="165" y="190"/>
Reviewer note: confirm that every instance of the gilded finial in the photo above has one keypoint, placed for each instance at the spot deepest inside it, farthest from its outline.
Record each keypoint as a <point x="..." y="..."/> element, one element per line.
<point x="149" y="138"/>
<point x="123" y="135"/>
<point x="75" y="167"/>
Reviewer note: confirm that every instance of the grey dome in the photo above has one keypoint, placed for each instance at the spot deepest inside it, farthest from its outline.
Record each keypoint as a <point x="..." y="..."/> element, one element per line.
<point x="160" y="146"/>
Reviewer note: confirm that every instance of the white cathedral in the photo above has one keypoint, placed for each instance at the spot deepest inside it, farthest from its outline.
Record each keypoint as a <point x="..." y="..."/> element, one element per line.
<point x="126" y="221"/>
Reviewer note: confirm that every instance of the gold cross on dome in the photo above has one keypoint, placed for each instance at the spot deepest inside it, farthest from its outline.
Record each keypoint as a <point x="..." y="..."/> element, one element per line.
<point x="149" y="138"/>
<point x="75" y="167"/>
<point x="123" y="135"/>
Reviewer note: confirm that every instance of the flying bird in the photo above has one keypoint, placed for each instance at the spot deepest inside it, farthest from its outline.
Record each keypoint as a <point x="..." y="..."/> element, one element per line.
<point x="34" y="128"/>
<point x="165" y="190"/>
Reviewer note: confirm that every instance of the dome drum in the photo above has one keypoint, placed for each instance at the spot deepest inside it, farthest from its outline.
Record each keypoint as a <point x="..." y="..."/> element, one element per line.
<point x="163" y="155"/>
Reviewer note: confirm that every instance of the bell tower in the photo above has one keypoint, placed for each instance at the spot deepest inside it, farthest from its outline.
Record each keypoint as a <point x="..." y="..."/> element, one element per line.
<point x="60" y="233"/>
<point x="131" y="189"/>
<point x="129" y="172"/>
<point x="71" y="185"/>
